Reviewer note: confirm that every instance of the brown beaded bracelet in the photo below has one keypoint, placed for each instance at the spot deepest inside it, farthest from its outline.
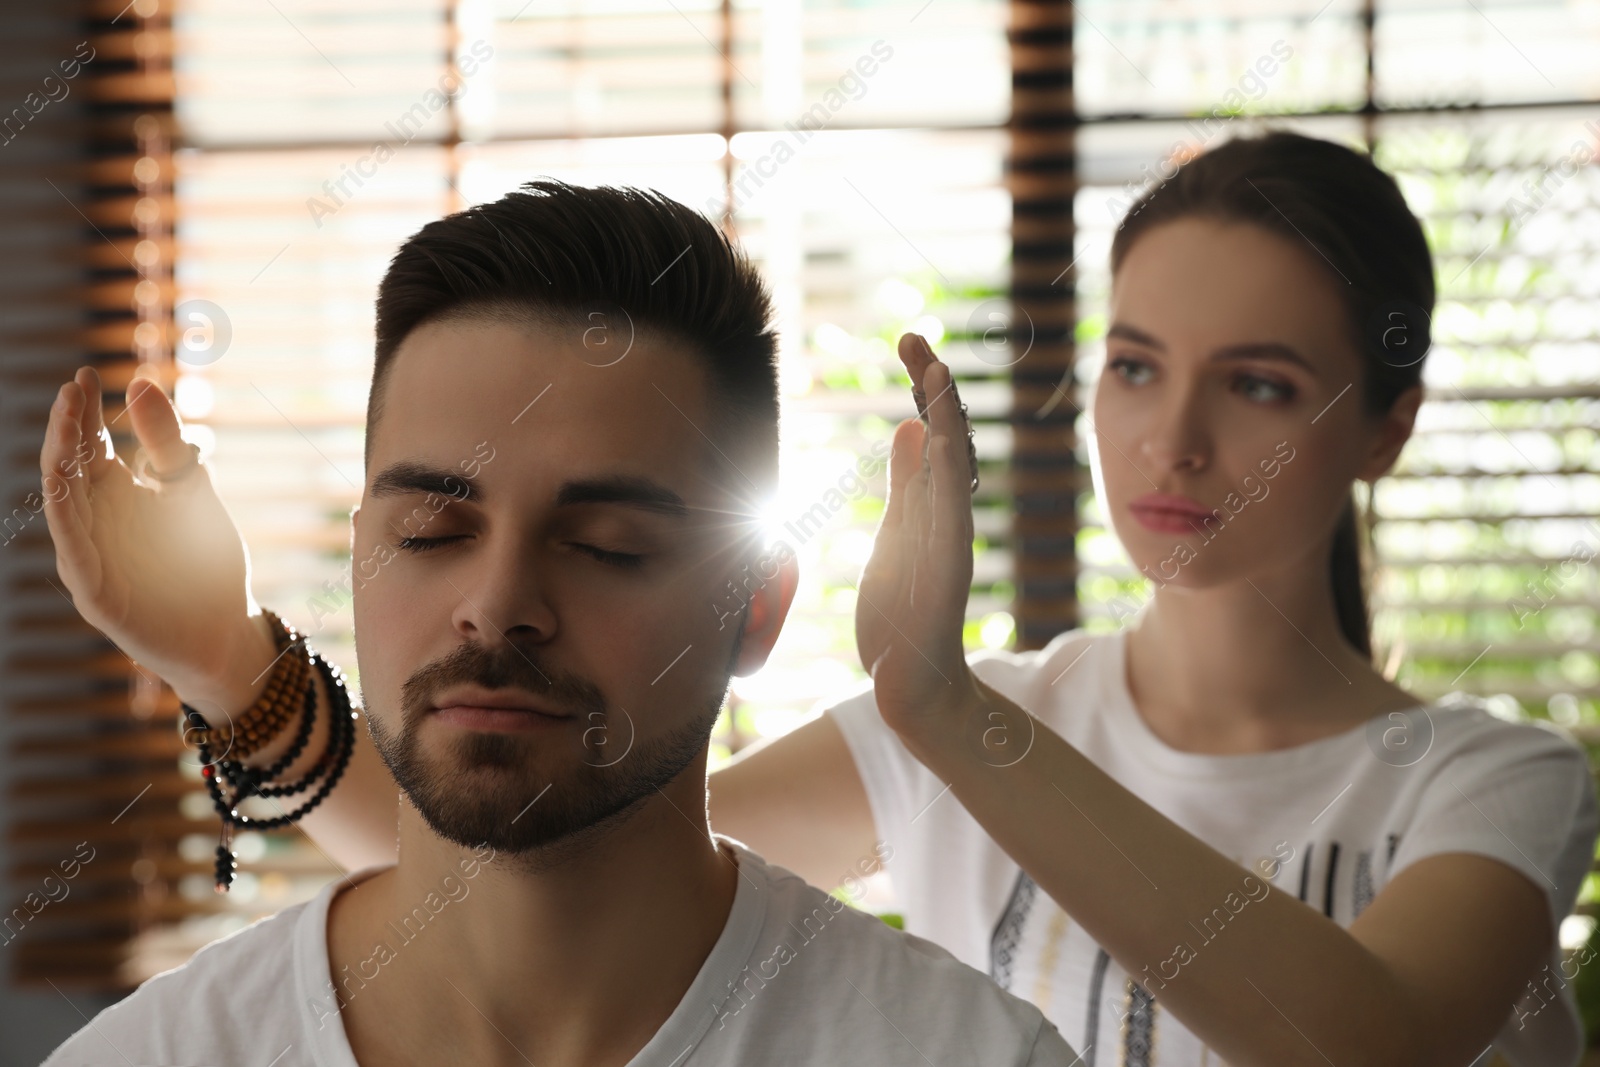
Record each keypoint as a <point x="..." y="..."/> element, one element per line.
<point x="278" y="704"/>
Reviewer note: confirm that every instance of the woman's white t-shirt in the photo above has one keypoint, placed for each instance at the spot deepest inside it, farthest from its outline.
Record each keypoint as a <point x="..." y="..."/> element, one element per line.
<point x="1332" y="821"/>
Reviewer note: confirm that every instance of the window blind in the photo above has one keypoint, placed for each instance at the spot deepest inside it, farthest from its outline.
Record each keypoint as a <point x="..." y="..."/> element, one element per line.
<point x="1497" y="485"/>
<point x="91" y="748"/>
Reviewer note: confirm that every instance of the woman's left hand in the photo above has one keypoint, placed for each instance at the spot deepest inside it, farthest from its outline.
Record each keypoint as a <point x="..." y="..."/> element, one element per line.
<point x="913" y="594"/>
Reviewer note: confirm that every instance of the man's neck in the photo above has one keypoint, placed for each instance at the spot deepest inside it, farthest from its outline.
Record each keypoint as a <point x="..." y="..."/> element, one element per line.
<point x="481" y="957"/>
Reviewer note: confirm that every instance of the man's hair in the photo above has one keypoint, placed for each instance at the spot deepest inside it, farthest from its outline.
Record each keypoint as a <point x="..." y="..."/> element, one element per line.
<point x="613" y="262"/>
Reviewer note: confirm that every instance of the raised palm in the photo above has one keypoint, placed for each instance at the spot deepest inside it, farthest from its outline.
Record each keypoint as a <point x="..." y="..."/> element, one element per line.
<point x="160" y="569"/>
<point x="913" y="593"/>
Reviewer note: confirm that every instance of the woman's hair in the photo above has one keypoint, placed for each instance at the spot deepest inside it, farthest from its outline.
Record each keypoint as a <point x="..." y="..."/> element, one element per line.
<point x="1354" y="216"/>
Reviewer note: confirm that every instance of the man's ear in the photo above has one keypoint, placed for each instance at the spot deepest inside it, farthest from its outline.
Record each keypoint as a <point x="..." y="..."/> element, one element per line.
<point x="765" y="614"/>
<point x="353" y="513"/>
<point x="1392" y="435"/>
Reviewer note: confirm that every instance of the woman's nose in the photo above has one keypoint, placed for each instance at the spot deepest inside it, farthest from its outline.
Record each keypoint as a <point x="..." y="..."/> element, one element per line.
<point x="1179" y="436"/>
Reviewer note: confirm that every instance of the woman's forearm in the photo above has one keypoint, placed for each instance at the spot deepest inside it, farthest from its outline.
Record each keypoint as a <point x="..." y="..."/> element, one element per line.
<point x="1286" y="985"/>
<point x="357" y="823"/>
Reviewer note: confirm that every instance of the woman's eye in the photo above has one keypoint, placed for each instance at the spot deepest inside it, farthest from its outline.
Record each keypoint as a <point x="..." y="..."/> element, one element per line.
<point x="615" y="559"/>
<point x="1126" y="368"/>
<point x="422" y="544"/>
<point x="1265" y="389"/>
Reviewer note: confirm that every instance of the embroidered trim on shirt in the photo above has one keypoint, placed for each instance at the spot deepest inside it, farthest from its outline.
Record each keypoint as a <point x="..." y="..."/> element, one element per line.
<point x="1091" y="1028"/>
<point x="1138" y="1027"/>
<point x="1008" y="931"/>
<point x="1361" y="892"/>
<point x="1327" y="884"/>
<point x="1050" y="956"/>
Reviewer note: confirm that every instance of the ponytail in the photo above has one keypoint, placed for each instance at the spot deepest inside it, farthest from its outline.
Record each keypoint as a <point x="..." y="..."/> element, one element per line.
<point x="1347" y="569"/>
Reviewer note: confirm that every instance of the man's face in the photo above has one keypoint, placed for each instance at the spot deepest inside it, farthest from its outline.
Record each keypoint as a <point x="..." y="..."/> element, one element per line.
<point x="576" y="526"/>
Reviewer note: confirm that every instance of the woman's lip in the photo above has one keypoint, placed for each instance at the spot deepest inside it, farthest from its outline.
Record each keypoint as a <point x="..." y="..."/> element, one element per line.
<point x="472" y="717"/>
<point x="1170" y="502"/>
<point x="1166" y="520"/>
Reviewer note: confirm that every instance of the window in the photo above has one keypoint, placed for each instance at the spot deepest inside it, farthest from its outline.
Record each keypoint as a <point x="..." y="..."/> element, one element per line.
<point x="947" y="166"/>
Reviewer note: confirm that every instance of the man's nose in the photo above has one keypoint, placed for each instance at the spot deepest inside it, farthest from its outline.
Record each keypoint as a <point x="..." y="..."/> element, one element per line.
<point x="504" y="596"/>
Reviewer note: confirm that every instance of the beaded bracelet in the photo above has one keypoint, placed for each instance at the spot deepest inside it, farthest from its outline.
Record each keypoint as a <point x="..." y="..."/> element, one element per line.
<point x="264" y="720"/>
<point x="244" y="782"/>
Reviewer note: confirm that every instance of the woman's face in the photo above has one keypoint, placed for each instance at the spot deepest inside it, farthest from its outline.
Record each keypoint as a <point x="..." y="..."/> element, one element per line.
<point x="1230" y="382"/>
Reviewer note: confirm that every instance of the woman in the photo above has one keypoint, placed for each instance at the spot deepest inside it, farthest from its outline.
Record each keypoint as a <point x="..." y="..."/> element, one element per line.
<point x="1218" y="834"/>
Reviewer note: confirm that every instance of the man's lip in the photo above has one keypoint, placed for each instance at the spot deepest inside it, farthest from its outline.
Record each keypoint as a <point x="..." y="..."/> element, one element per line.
<point x="471" y="717"/>
<point x="496" y="707"/>
<point x="500" y="699"/>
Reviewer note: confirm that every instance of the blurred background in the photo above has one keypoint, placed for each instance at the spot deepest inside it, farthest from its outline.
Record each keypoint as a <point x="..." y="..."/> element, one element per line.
<point x="209" y="190"/>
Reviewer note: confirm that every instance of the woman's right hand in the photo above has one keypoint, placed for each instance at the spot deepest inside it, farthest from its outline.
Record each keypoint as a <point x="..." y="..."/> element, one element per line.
<point x="160" y="569"/>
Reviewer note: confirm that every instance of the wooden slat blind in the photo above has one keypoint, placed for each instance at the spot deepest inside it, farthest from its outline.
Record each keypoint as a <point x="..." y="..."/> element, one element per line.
<point x="1488" y="525"/>
<point x="1042" y="174"/>
<point x="91" y="793"/>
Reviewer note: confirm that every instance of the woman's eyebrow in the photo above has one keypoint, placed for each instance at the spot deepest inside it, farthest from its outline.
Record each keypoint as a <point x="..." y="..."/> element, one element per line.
<point x="1265" y="350"/>
<point x="1249" y="350"/>
<point x="1137" y="336"/>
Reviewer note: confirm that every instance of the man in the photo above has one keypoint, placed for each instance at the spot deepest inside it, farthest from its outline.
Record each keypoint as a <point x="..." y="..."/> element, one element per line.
<point x="572" y="425"/>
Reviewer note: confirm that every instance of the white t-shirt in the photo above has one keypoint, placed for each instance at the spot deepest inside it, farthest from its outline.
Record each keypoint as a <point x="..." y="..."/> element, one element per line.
<point x="797" y="976"/>
<point x="1332" y="820"/>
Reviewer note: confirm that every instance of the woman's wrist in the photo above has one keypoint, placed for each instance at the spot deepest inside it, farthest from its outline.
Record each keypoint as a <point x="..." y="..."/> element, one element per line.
<point x="224" y="690"/>
<point x="974" y="727"/>
<point x="235" y="687"/>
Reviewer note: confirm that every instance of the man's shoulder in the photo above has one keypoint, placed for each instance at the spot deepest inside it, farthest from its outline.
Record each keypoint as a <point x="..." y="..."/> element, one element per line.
<point x="224" y="999"/>
<point x="881" y="988"/>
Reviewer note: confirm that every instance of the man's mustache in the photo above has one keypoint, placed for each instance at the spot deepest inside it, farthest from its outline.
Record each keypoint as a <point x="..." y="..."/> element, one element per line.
<point x="499" y="667"/>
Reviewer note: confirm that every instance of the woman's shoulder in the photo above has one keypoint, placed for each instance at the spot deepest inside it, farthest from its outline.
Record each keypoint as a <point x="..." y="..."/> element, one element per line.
<point x="1464" y="723"/>
<point x="1023" y="675"/>
<point x="1065" y="652"/>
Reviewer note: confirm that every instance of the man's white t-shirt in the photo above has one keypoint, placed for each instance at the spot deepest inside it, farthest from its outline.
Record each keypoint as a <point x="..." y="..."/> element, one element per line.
<point x="797" y="977"/>
<point x="1333" y="821"/>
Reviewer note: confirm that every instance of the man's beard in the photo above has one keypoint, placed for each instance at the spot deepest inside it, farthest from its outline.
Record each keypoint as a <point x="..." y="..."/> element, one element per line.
<point x="525" y="804"/>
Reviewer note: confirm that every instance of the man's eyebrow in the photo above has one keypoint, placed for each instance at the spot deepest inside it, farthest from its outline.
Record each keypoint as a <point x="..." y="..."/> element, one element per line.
<point x="1253" y="350"/>
<point x="410" y="476"/>
<point x="629" y="491"/>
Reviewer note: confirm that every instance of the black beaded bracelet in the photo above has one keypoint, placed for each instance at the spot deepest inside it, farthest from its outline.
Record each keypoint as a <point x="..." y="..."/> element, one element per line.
<point x="245" y="782"/>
